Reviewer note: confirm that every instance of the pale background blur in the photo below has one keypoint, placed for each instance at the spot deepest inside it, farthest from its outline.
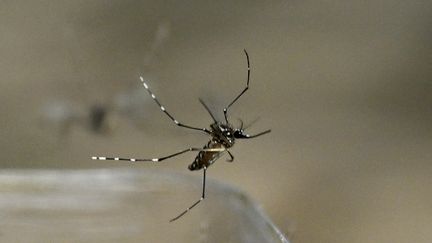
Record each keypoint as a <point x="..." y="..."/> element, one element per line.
<point x="345" y="87"/>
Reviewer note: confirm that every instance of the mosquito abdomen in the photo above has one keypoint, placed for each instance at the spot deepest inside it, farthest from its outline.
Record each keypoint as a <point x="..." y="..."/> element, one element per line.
<point x="206" y="158"/>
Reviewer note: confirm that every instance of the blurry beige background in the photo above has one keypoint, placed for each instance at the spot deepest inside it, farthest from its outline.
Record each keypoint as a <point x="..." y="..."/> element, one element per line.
<point x="345" y="87"/>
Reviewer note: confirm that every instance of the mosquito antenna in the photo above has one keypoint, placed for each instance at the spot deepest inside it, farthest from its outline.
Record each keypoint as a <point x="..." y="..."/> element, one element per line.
<point x="251" y="123"/>
<point x="241" y="123"/>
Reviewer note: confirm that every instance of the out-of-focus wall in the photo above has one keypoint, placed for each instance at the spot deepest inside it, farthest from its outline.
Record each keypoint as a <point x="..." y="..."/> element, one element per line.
<point x="345" y="87"/>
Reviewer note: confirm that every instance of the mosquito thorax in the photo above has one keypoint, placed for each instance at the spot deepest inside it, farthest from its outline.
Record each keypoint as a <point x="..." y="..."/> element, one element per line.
<point x="223" y="133"/>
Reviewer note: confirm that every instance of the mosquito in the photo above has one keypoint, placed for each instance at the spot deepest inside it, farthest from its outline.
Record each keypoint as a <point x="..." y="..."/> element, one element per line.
<point x="222" y="138"/>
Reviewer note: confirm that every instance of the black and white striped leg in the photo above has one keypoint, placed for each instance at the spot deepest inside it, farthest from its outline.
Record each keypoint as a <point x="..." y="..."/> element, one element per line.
<point x="231" y="159"/>
<point x="160" y="158"/>
<point x="166" y="112"/>
<point x="225" y="110"/>
<point x="197" y="202"/>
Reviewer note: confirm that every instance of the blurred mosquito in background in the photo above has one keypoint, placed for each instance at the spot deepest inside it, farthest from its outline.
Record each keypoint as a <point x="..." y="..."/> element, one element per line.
<point x="222" y="138"/>
<point x="63" y="116"/>
<point x="101" y="118"/>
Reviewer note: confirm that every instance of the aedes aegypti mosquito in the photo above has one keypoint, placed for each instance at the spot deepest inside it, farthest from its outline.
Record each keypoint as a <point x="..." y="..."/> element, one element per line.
<point x="223" y="135"/>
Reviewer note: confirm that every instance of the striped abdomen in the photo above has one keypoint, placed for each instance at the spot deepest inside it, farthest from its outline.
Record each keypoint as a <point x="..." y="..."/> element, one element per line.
<point x="206" y="158"/>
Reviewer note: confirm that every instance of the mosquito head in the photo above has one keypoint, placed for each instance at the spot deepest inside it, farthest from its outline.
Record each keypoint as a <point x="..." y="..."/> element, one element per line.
<point x="239" y="133"/>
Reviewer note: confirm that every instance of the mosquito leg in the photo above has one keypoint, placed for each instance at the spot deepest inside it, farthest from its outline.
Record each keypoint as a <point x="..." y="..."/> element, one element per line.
<point x="196" y="203"/>
<point x="166" y="112"/>
<point x="231" y="159"/>
<point x="160" y="158"/>
<point x="225" y="110"/>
